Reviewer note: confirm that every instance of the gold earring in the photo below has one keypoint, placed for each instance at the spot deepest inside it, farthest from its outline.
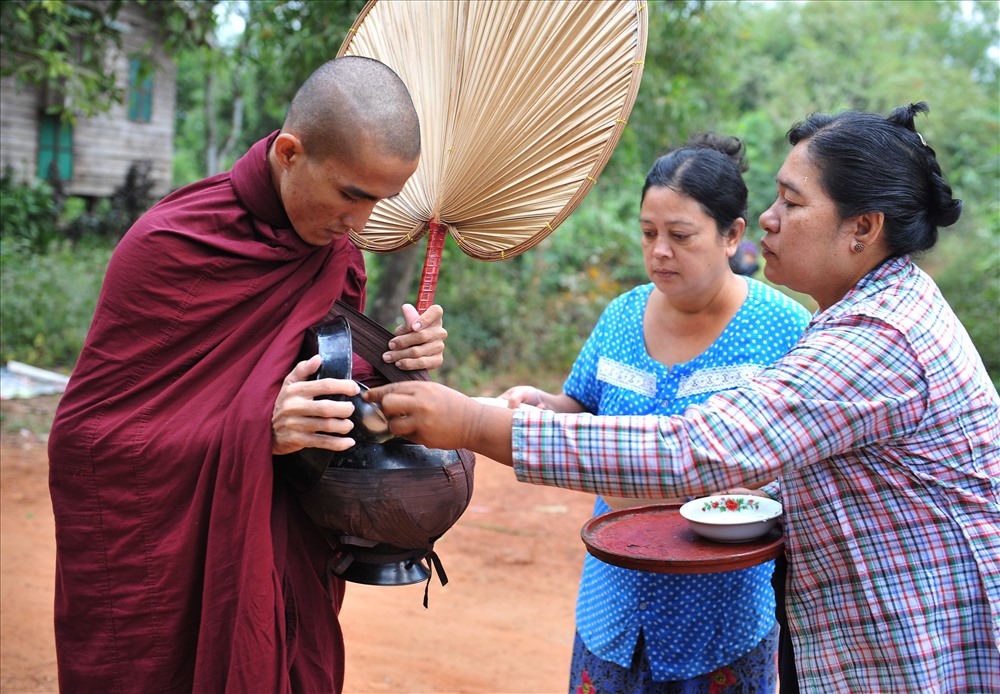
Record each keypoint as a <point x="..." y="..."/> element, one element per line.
<point x="859" y="247"/>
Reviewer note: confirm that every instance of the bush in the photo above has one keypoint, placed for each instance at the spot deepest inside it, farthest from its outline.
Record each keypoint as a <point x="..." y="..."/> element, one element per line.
<point x="52" y="264"/>
<point x="111" y="218"/>
<point x="29" y="213"/>
<point x="971" y="283"/>
<point x="524" y="320"/>
<point x="47" y="300"/>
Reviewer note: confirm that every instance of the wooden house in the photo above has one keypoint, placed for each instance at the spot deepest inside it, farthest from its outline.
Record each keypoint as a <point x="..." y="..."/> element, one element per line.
<point x="94" y="155"/>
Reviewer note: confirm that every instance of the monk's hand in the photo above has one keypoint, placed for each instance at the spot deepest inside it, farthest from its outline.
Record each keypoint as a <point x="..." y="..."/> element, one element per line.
<point x="428" y="413"/>
<point x="419" y="341"/>
<point x="300" y="420"/>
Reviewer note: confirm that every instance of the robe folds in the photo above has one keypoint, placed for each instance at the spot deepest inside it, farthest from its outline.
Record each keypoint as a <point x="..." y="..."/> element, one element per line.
<point x="183" y="564"/>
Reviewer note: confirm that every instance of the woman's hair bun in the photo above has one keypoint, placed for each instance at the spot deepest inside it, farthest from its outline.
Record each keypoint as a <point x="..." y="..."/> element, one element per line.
<point x="948" y="211"/>
<point x="943" y="209"/>
<point x="732" y="147"/>
<point x="904" y="116"/>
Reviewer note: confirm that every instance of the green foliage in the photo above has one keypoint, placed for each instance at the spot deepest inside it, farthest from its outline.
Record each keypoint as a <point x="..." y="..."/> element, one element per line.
<point x="188" y="163"/>
<point x="683" y="84"/>
<point x="795" y="59"/>
<point x="524" y="320"/>
<point x="746" y="69"/>
<point x="64" y="46"/>
<point x="283" y="43"/>
<point x="28" y="214"/>
<point x="750" y="71"/>
<point x="47" y="300"/>
<point x="39" y="45"/>
<point x="312" y="32"/>
<point x="971" y="283"/>
<point x="48" y="283"/>
<point x="111" y="217"/>
<point x="507" y="326"/>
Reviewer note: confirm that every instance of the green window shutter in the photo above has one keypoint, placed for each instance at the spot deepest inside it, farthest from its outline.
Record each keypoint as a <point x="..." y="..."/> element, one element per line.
<point x="140" y="93"/>
<point x="55" y="143"/>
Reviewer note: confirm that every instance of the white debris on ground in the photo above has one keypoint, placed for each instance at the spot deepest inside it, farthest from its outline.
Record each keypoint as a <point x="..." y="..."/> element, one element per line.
<point x="18" y="380"/>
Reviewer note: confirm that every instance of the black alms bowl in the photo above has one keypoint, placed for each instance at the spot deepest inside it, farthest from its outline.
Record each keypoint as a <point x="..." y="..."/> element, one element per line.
<point x="383" y="502"/>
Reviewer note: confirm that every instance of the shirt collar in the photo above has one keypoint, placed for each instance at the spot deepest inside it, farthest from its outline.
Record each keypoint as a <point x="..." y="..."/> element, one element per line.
<point x="251" y="177"/>
<point x="889" y="272"/>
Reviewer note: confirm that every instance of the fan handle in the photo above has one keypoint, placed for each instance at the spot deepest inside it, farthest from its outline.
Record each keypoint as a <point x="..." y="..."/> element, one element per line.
<point x="432" y="264"/>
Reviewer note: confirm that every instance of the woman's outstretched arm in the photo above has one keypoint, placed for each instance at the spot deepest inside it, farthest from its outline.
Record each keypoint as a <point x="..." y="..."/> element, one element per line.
<point x="436" y="416"/>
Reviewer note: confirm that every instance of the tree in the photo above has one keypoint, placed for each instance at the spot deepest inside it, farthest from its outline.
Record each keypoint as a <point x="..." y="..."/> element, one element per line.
<point x="281" y="43"/>
<point x="65" y="46"/>
<point x="744" y="69"/>
<point x="794" y="59"/>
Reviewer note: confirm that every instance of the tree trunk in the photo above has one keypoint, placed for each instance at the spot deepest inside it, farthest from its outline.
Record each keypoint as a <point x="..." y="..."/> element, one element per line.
<point x="236" y="122"/>
<point x="394" y="287"/>
<point x="211" y="148"/>
<point x="235" y="128"/>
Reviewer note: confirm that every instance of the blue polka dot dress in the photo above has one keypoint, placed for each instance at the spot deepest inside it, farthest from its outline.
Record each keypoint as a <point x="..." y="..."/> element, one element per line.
<point x="691" y="624"/>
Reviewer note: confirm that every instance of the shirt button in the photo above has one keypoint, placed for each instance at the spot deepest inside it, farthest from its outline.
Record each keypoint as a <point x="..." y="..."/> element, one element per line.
<point x="642" y="606"/>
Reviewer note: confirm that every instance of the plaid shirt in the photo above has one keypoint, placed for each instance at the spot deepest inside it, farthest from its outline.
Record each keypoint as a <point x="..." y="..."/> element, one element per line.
<point x="883" y="427"/>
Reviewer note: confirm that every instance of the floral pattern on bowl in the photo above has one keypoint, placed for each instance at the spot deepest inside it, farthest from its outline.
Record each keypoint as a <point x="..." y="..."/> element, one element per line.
<point x="731" y="517"/>
<point x="729" y="503"/>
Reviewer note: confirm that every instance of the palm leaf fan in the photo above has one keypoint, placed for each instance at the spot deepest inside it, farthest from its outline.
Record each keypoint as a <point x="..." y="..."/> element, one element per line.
<point x="521" y="103"/>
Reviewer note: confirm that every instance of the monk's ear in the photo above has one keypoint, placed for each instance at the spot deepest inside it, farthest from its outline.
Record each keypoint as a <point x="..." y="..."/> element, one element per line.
<point x="288" y="150"/>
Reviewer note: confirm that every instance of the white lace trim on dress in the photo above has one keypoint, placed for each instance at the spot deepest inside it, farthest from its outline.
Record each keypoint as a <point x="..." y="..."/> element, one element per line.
<point x="717" y="378"/>
<point x="627" y="377"/>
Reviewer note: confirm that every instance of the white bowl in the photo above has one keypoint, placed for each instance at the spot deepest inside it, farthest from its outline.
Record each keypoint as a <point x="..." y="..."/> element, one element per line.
<point x="732" y="517"/>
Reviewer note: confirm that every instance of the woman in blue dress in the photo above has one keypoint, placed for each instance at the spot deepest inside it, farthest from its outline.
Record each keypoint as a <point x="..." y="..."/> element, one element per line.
<point x="695" y="329"/>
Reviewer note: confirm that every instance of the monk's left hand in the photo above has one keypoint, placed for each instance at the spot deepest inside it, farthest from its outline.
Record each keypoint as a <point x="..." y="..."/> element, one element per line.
<point x="419" y="341"/>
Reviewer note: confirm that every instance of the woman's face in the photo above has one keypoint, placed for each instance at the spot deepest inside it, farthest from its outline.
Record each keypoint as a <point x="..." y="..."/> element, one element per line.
<point x="806" y="244"/>
<point x="682" y="249"/>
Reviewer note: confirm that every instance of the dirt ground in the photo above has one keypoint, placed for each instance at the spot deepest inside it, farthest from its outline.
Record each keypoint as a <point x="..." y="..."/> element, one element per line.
<point x="502" y="625"/>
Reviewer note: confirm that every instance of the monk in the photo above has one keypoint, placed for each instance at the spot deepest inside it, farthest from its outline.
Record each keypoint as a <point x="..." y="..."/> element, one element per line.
<point x="183" y="561"/>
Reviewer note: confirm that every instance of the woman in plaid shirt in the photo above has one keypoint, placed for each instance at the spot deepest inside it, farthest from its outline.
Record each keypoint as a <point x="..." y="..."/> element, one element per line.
<point x="694" y="329"/>
<point x="881" y="425"/>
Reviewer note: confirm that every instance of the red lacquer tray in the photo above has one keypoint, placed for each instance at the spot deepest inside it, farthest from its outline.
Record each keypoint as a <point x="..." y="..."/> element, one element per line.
<point x="658" y="539"/>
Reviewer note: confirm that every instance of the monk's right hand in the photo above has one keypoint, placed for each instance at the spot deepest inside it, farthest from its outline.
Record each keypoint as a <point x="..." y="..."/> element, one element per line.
<point x="299" y="420"/>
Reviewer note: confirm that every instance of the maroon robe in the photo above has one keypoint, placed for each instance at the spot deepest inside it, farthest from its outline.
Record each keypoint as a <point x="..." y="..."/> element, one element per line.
<point x="182" y="563"/>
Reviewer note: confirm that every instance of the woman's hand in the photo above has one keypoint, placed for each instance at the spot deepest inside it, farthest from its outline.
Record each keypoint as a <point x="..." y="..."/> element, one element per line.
<point x="298" y="419"/>
<point x="419" y="341"/>
<point x="439" y="417"/>
<point x="530" y="395"/>
<point x="523" y="395"/>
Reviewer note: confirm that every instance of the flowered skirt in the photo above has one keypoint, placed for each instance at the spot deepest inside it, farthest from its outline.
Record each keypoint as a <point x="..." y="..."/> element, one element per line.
<point x="753" y="673"/>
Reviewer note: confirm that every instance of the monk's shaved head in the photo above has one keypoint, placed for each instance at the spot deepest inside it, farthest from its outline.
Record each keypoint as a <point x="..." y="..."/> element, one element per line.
<point x="351" y="102"/>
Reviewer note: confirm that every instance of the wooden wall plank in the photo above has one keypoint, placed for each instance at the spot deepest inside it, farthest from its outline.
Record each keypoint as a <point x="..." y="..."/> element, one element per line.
<point x="105" y="146"/>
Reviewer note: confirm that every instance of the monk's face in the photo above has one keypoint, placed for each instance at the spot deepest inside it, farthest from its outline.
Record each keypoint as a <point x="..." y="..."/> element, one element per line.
<point x="326" y="198"/>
